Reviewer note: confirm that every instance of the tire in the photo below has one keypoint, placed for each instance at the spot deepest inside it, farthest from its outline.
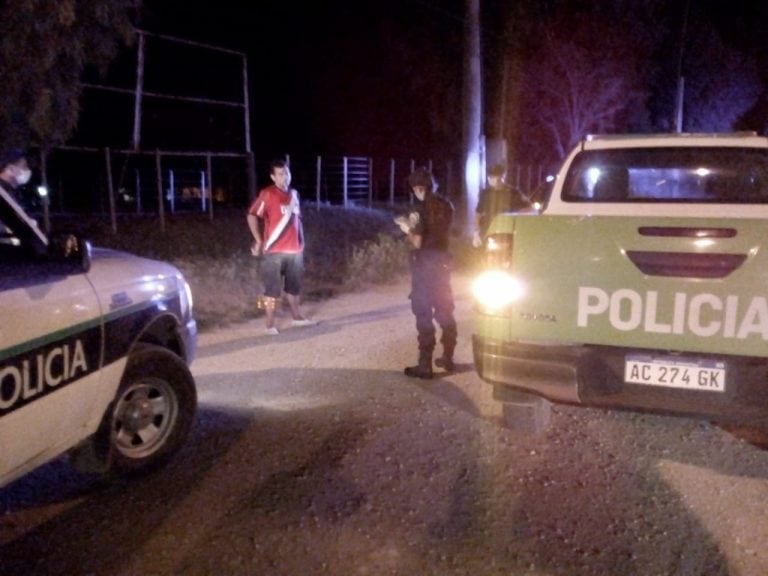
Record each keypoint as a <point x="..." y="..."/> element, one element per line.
<point x="523" y="412"/>
<point x="152" y="413"/>
<point x="757" y="436"/>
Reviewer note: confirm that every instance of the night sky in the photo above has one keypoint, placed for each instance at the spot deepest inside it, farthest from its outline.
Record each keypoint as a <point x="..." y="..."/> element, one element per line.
<point x="332" y="77"/>
<point x="343" y="77"/>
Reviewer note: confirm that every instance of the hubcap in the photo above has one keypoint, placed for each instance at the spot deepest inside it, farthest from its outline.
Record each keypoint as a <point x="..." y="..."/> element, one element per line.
<point x="145" y="416"/>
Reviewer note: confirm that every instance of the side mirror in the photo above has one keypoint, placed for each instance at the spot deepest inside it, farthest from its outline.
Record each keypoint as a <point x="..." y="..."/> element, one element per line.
<point x="70" y="251"/>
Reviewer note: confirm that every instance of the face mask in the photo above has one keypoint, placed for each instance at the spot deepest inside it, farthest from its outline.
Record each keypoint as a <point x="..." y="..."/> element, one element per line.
<point x="23" y="175"/>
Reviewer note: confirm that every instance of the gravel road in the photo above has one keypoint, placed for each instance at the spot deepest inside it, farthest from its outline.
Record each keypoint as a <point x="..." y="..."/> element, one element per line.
<point x="313" y="454"/>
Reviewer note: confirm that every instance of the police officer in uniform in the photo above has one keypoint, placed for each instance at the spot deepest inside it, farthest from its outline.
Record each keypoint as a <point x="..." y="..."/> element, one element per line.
<point x="497" y="197"/>
<point x="427" y="228"/>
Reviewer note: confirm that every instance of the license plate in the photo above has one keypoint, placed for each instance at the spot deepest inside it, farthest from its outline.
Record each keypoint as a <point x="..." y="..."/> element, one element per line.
<point x="673" y="372"/>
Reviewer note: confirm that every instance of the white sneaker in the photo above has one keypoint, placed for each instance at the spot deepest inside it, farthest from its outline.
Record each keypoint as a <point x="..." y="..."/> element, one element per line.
<point x="271" y="331"/>
<point x="304" y="322"/>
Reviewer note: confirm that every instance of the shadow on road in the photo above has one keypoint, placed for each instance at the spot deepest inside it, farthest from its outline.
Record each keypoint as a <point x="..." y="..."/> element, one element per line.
<point x="103" y="523"/>
<point x="366" y="470"/>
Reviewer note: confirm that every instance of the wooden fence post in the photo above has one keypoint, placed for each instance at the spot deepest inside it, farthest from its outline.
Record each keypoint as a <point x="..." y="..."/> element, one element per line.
<point x="391" y="181"/>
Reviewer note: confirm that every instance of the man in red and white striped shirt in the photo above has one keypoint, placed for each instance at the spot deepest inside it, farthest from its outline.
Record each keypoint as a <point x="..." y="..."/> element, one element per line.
<point x="282" y="244"/>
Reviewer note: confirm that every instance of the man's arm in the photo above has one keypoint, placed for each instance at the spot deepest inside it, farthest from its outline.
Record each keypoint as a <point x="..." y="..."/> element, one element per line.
<point x="253" y="226"/>
<point x="477" y="237"/>
<point x="415" y="240"/>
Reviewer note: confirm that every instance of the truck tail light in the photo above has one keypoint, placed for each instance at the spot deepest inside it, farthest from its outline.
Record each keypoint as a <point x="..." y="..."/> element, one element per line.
<point x="495" y="289"/>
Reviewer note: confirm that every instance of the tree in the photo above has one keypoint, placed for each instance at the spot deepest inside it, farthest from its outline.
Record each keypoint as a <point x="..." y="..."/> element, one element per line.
<point x="581" y="78"/>
<point x="721" y="84"/>
<point x="44" y="49"/>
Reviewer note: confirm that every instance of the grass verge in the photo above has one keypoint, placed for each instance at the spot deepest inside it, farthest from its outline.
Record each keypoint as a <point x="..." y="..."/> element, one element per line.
<point x="346" y="249"/>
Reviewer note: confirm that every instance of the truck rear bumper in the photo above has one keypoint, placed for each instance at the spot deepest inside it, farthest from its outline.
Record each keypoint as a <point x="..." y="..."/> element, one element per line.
<point x="548" y="371"/>
<point x="594" y="376"/>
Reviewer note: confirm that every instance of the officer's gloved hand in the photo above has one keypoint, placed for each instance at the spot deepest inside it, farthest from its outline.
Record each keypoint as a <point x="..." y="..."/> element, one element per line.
<point x="477" y="240"/>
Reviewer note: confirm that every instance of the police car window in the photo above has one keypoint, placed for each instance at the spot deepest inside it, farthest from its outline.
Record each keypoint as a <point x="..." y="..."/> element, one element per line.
<point x="704" y="174"/>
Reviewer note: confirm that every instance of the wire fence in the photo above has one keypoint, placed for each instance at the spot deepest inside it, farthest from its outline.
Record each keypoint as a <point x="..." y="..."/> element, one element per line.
<point x="120" y="182"/>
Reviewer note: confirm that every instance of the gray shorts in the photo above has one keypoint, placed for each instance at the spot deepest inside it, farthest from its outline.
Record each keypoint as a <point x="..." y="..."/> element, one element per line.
<point x="279" y="266"/>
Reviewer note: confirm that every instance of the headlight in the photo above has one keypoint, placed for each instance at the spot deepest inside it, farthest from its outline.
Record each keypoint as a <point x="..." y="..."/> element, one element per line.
<point x="494" y="290"/>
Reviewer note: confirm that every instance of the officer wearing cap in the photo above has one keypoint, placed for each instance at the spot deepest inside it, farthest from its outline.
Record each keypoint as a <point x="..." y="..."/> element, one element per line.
<point x="428" y="228"/>
<point x="497" y="197"/>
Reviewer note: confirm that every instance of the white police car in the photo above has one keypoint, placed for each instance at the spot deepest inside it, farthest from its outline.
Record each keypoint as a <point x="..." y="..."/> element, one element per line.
<point x="94" y="352"/>
<point x="641" y="285"/>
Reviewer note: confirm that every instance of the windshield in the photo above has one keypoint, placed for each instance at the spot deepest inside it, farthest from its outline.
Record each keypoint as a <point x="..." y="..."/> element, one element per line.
<point x="699" y="174"/>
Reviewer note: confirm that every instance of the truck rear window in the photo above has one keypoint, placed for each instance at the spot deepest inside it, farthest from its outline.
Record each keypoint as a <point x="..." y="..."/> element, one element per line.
<point x="725" y="175"/>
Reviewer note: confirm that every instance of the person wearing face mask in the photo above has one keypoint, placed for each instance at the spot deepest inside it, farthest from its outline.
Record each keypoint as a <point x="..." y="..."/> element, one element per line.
<point x="427" y="228"/>
<point x="14" y="170"/>
<point x="14" y="174"/>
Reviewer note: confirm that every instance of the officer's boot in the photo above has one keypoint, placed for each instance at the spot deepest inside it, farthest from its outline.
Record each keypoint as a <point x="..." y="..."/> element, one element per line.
<point x="423" y="369"/>
<point x="449" y="345"/>
<point x="446" y="360"/>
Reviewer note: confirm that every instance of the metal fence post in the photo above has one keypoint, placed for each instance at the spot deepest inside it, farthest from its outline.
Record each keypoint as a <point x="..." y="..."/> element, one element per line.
<point x="344" y="179"/>
<point x="209" y="167"/>
<point x="160" y="206"/>
<point x="370" y="182"/>
<point x="138" y="191"/>
<point x="202" y="191"/>
<point x="172" y="190"/>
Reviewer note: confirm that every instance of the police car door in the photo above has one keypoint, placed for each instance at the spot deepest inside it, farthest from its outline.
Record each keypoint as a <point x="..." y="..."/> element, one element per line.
<point x="50" y="351"/>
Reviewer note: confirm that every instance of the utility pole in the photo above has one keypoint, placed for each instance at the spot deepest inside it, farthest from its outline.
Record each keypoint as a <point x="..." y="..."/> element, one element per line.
<point x="473" y="111"/>
<point x="136" y="144"/>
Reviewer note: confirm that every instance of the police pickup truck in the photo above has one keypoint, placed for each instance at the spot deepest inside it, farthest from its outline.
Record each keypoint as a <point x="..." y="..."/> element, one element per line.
<point x="642" y="284"/>
<point x="94" y="353"/>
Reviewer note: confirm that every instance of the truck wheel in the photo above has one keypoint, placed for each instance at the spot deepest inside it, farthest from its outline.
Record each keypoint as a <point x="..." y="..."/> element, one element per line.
<point x="757" y="436"/>
<point x="153" y="411"/>
<point x="523" y="412"/>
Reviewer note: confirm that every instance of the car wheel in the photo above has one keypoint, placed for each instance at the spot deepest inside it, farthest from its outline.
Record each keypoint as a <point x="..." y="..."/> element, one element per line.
<point x="153" y="411"/>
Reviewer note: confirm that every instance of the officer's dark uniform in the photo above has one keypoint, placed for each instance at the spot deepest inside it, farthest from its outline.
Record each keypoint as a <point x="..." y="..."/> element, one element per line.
<point x="493" y="201"/>
<point x="431" y="294"/>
